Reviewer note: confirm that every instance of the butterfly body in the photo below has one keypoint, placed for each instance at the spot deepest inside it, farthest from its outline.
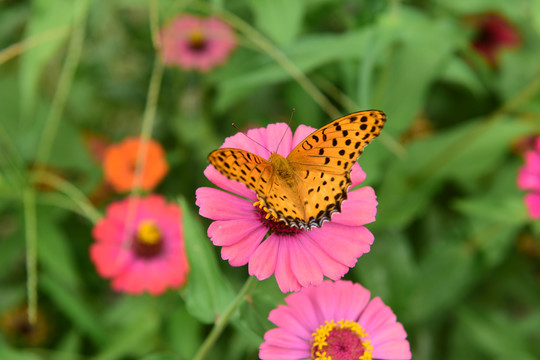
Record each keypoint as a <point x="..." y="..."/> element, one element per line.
<point x="305" y="188"/>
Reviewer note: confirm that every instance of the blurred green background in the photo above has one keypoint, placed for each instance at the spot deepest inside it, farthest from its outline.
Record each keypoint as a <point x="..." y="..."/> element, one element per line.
<point x="455" y="254"/>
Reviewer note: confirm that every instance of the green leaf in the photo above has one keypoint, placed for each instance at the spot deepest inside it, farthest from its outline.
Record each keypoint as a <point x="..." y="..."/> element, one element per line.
<point x="69" y="347"/>
<point x="305" y="54"/>
<point x="464" y="154"/>
<point x="208" y="292"/>
<point x="74" y="307"/>
<point x="54" y="251"/>
<point x="185" y="333"/>
<point x="281" y="20"/>
<point x="410" y="69"/>
<point x="254" y="313"/>
<point x="388" y="270"/>
<point x="50" y="17"/>
<point x="443" y="277"/>
<point x="495" y="334"/>
<point x="12" y="354"/>
<point x="135" y="328"/>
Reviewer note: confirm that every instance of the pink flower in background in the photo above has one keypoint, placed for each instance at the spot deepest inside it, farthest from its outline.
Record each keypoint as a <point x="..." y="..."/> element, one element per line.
<point x="193" y="42"/>
<point x="493" y="33"/>
<point x="296" y="257"/>
<point x="334" y="321"/>
<point x="140" y="245"/>
<point x="529" y="179"/>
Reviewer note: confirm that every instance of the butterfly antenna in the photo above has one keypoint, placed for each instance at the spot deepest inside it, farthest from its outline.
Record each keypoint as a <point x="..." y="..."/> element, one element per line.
<point x="285" y="132"/>
<point x="256" y="142"/>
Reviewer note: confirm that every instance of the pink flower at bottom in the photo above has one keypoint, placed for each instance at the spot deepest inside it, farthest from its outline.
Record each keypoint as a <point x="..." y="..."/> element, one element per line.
<point x="296" y="257"/>
<point x="193" y="42"/>
<point x="334" y="321"/>
<point x="140" y="245"/>
<point x="529" y="179"/>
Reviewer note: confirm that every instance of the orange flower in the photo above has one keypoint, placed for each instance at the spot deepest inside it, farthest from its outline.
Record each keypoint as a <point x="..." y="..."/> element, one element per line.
<point x="120" y="164"/>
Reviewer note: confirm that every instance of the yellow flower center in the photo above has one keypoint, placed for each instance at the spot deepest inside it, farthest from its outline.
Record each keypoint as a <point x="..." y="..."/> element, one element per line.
<point x="197" y="40"/>
<point x="270" y="214"/>
<point x="148" y="233"/>
<point x="148" y="241"/>
<point x="344" y="340"/>
<point x="270" y="219"/>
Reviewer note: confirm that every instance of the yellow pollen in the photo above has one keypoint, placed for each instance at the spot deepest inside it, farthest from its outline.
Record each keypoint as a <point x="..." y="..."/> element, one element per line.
<point x="197" y="38"/>
<point x="148" y="232"/>
<point x="269" y="213"/>
<point x="321" y="335"/>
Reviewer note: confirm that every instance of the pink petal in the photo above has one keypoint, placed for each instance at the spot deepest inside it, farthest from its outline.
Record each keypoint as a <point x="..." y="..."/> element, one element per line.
<point x="129" y="280"/>
<point x="108" y="231"/>
<point x="110" y="259"/>
<point x="344" y="243"/>
<point x="269" y="352"/>
<point x="302" y="132"/>
<point x="262" y="263"/>
<point x="359" y="209"/>
<point x="219" y="205"/>
<point x="342" y="300"/>
<point x="357" y="175"/>
<point x="240" y="253"/>
<point x="291" y="321"/>
<point x="279" y="134"/>
<point x="396" y="350"/>
<point x="533" y="205"/>
<point x="285" y="339"/>
<point x="304" y="267"/>
<point x="303" y="305"/>
<point x="329" y="266"/>
<point x="375" y="316"/>
<point x="230" y="232"/>
<point x="284" y="275"/>
<point x="232" y="186"/>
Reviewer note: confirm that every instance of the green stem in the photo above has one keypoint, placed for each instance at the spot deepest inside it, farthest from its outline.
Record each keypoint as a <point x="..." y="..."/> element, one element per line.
<point x="64" y="86"/>
<point x="221" y="323"/>
<point x="296" y="73"/>
<point x="31" y="42"/>
<point x="30" y="225"/>
<point x="149" y="116"/>
<point x="71" y="191"/>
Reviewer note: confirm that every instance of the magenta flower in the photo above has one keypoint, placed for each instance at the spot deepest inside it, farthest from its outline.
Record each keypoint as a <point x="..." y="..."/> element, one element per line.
<point x="140" y="245"/>
<point x="296" y="257"/>
<point x="193" y="42"/>
<point x="334" y="321"/>
<point x="493" y="33"/>
<point x="529" y="179"/>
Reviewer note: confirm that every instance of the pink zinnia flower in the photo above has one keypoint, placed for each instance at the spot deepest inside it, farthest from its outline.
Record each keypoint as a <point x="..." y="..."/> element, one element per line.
<point x="140" y="245"/>
<point x="193" y="42"/>
<point x="529" y="179"/>
<point x="334" y="321"/>
<point x="296" y="257"/>
<point x="493" y="33"/>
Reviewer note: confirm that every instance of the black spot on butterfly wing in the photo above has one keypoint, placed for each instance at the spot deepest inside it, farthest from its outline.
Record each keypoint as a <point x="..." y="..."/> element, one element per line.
<point x="350" y="134"/>
<point x="242" y="166"/>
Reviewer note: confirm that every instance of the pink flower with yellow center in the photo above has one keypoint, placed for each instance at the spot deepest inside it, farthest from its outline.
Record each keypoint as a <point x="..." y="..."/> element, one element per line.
<point x="335" y="320"/>
<point x="140" y="245"/>
<point x="297" y="257"/>
<point x="193" y="42"/>
<point x="529" y="179"/>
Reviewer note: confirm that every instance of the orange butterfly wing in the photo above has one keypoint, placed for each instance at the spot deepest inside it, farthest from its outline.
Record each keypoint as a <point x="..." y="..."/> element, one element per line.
<point x="240" y="165"/>
<point x="318" y="170"/>
<point x="323" y="163"/>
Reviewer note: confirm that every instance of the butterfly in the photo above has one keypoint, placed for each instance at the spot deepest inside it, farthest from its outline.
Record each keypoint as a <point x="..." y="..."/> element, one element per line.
<point x="309" y="185"/>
